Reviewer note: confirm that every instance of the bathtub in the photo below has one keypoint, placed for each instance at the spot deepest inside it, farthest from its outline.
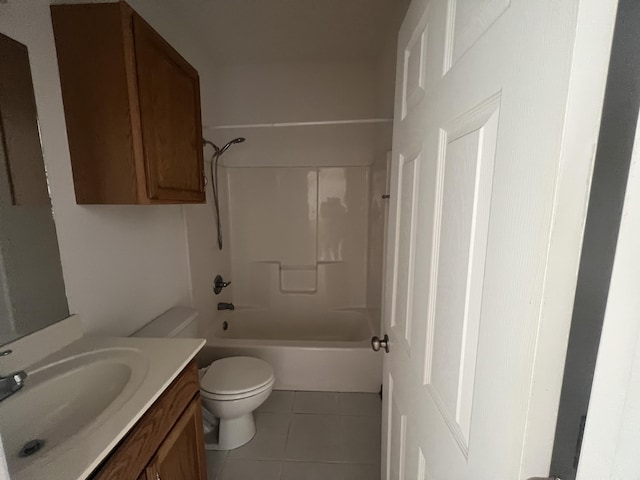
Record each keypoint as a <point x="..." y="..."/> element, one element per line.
<point x="327" y="351"/>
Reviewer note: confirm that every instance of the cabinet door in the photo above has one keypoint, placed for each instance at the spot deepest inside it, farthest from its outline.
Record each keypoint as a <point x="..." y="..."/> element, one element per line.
<point x="169" y="101"/>
<point x="181" y="455"/>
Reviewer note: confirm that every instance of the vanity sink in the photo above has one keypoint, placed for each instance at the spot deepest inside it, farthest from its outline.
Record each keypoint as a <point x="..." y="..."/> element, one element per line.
<point x="78" y="403"/>
<point x="66" y="400"/>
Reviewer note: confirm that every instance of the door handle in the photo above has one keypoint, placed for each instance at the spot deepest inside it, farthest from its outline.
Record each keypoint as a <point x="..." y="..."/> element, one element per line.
<point x="377" y="344"/>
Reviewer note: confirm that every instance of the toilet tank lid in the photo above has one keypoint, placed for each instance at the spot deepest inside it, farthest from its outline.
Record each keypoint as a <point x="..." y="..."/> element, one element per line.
<point x="169" y="324"/>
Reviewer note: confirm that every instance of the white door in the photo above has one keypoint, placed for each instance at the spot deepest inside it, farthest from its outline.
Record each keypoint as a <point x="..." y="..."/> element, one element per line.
<point x="489" y="180"/>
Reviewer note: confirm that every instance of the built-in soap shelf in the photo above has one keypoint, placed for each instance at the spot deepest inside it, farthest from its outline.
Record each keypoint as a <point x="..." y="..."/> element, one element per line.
<point x="299" y="278"/>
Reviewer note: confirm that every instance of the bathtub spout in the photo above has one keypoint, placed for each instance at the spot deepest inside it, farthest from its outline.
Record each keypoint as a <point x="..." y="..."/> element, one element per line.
<point x="226" y="306"/>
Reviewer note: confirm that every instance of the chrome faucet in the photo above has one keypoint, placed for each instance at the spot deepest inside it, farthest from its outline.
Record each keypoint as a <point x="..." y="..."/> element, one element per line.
<point x="226" y="306"/>
<point x="12" y="382"/>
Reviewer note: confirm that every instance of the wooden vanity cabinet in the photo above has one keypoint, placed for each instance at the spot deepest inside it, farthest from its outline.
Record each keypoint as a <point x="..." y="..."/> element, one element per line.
<point x="167" y="442"/>
<point x="178" y="456"/>
<point x="132" y="108"/>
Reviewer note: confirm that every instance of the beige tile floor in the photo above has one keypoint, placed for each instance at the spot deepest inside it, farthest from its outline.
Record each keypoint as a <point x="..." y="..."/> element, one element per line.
<point x="307" y="436"/>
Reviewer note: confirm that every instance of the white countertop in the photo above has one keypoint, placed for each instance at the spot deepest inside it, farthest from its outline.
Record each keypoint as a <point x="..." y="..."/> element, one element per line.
<point x="78" y="457"/>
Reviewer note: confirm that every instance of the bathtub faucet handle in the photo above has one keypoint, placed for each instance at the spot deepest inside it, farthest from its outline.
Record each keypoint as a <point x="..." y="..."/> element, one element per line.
<point x="219" y="284"/>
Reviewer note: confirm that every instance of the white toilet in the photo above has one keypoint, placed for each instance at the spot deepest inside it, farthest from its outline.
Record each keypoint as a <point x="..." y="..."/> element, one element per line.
<point x="230" y="388"/>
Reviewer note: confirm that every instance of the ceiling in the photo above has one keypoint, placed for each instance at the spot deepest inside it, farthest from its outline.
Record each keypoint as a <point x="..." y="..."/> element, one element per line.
<point x="273" y="31"/>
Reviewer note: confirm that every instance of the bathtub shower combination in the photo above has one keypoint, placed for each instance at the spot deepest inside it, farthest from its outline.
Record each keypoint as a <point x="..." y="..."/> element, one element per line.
<point x="306" y="249"/>
<point x="332" y="353"/>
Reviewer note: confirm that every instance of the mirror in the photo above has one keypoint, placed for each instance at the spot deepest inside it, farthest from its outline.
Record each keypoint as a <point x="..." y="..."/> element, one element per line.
<point x="32" y="294"/>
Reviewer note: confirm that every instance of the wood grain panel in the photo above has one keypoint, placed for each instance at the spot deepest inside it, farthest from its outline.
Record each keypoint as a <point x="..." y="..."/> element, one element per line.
<point x="131" y="457"/>
<point x="181" y="455"/>
<point x="93" y="75"/>
<point x="126" y="15"/>
<point x="132" y="108"/>
<point x="169" y="93"/>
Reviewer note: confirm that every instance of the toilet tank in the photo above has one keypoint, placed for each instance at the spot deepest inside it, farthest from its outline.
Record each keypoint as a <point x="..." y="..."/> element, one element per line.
<point x="178" y="322"/>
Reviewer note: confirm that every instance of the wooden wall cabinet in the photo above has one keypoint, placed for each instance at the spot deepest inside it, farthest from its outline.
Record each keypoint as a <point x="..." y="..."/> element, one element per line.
<point x="132" y="108"/>
<point x="167" y="443"/>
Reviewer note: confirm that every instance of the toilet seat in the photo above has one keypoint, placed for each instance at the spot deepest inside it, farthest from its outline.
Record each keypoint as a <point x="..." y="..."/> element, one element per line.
<point x="235" y="378"/>
<point x="237" y="396"/>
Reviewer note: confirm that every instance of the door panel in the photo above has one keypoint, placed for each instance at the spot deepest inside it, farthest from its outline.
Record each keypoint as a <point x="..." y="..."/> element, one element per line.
<point x="181" y="455"/>
<point x="169" y="92"/>
<point x="466" y="162"/>
<point x="397" y="435"/>
<point x="467" y="20"/>
<point x="407" y="191"/>
<point x="481" y="95"/>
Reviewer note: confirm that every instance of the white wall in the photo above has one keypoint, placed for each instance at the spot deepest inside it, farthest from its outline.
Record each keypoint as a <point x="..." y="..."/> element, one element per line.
<point x="378" y="212"/>
<point x="385" y="69"/>
<point x="327" y="145"/>
<point x="606" y="200"/>
<point x="266" y="229"/>
<point x="272" y="93"/>
<point x="612" y="434"/>
<point x="251" y="95"/>
<point x="299" y="237"/>
<point x="294" y="92"/>
<point x="122" y="265"/>
<point x="205" y="259"/>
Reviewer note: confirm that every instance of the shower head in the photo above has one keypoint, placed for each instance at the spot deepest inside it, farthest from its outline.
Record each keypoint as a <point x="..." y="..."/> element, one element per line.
<point x="232" y="142"/>
<point x="220" y="151"/>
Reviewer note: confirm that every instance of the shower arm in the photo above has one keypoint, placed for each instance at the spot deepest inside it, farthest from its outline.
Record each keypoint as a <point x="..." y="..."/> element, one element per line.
<point x="206" y="142"/>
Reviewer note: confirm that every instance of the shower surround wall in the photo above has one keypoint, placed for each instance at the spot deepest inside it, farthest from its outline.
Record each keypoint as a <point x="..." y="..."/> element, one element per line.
<point x="304" y="232"/>
<point x="377" y="229"/>
<point x="299" y="237"/>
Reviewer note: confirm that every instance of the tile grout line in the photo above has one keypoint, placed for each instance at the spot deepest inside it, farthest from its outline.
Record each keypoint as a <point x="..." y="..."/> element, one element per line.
<point x="224" y="462"/>
<point x="286" y="440"/>
<point x="291" y="414"/>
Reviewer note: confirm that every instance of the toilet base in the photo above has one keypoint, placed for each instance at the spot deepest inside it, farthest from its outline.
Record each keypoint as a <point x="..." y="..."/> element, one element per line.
<point x="231" y="433"/>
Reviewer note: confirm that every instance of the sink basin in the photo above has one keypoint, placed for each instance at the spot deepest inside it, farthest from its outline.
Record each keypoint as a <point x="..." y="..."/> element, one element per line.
<point x="65" y="400"/>
<point x="80" y="401"/>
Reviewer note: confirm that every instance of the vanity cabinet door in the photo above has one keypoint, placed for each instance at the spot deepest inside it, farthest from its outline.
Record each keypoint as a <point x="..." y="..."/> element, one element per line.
<point x="181" y="455"/>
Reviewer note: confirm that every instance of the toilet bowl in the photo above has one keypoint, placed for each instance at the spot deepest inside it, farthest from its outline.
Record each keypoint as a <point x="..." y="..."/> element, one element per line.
<point x="230" y="388"/>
